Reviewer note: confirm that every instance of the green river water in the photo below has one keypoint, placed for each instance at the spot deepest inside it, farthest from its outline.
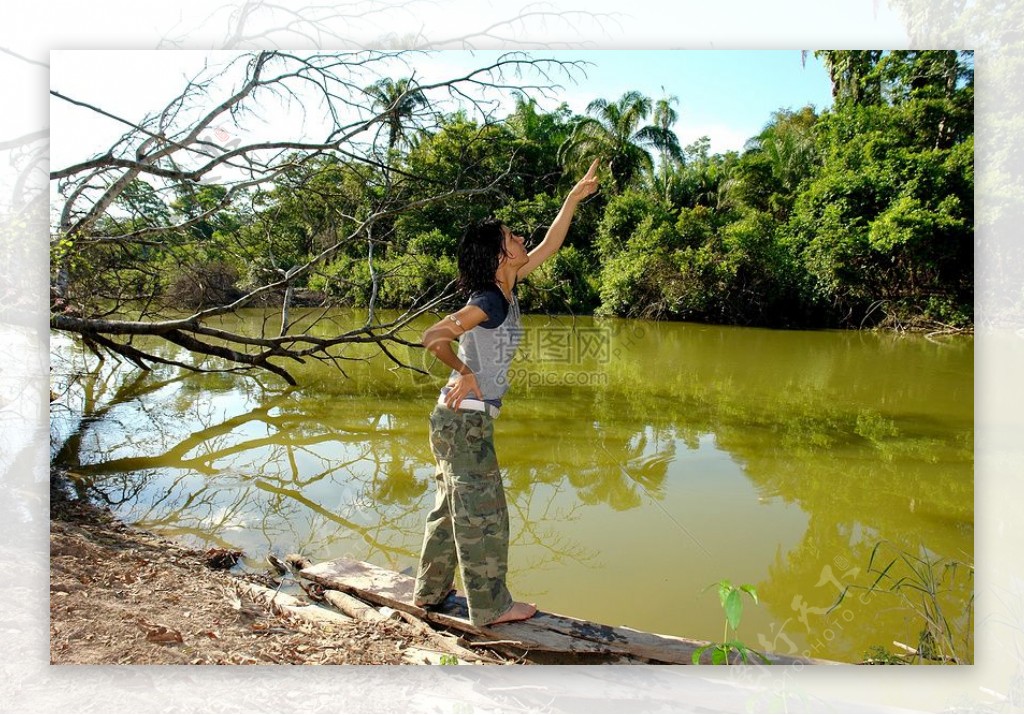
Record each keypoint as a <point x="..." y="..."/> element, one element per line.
<point x="643" y="461"/>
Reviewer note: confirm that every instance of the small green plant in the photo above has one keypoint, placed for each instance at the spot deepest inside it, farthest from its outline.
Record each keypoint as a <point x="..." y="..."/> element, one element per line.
<point x="449" y="660"/>
<point x="933" y="589"/>
<point x="732" y="603"/>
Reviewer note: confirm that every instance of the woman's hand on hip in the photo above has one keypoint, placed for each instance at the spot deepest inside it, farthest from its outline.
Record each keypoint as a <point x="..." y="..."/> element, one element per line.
<point x="463" y="386"/>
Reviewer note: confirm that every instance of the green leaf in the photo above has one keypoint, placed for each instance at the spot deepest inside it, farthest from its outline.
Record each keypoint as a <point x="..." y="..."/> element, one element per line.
<point x="733" y="609"/>
<point x="842" y="595"/>
<point x="710" y="586"/>
<point x="882" y="574"/>
<point x="720" y="656"/>
<point x="724" y="589"/>
<point x="874" y="551"/>
<point x="751" y="590"/>
<point x="699" y="652"/>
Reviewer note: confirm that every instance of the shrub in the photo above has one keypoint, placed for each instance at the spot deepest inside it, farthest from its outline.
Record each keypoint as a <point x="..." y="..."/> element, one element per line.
<point x="623" y="217"/>
<point x="435" y="243"/>
<point x="566" y="283"/>
<point x="203" y="285"/>
<point x="401" y="280"/>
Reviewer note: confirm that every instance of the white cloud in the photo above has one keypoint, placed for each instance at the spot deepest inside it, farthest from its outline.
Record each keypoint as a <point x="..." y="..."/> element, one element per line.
<point x="723" y="137"/>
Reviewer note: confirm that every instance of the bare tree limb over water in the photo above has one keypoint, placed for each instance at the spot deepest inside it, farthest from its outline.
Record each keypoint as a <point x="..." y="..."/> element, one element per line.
<point x="205" y="150"/>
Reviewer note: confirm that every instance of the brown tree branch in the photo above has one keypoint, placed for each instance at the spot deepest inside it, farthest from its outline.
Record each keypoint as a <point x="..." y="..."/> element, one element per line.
<point x="160" y="150"/>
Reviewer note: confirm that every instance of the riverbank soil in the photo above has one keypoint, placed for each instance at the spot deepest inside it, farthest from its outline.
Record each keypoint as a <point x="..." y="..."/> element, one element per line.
<point x="121" y="595"/>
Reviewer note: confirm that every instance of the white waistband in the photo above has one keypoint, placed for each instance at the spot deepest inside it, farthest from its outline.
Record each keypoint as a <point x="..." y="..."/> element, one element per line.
<point x="475" y="405"/>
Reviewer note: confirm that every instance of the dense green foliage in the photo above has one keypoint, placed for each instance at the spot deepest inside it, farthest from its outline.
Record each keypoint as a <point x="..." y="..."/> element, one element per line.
<point x="856" y="216"/>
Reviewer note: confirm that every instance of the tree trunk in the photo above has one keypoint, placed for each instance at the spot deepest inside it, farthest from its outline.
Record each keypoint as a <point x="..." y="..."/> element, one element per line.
<point x="373" y="278"/>
<point x="286" y="305"/>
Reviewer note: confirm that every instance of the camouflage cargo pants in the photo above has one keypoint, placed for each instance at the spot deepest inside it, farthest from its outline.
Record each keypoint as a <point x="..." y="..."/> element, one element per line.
<point x="468" y="527"/>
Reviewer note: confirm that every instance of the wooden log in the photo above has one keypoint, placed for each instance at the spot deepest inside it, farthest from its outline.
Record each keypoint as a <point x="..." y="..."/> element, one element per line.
<point x="418" y="624"/>
<point x="545" y="631"/>
<point x="355" y="608"/>
<point x="393" y="589"/>
<point x="284" y="604"/>
<point x="367" y="581"/>
<point x="450" y="644"/>
<point x="266" y="596"/>
<point x="351" y="606"/>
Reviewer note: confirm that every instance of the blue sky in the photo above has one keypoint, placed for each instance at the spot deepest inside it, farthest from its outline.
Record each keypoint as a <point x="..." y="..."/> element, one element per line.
<point x="727" y="95"/>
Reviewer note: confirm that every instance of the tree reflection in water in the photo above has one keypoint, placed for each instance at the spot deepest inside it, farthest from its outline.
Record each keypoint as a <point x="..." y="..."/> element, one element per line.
<point x="322" y="476"/>
<point x="787" y="455"/>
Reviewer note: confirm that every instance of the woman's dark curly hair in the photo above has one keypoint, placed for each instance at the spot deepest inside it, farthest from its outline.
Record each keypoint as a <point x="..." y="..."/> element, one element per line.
<point x="480" y="251"/>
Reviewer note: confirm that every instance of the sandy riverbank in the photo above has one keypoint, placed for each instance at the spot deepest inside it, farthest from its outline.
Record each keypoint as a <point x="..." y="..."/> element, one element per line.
<point x="122" y="595"/>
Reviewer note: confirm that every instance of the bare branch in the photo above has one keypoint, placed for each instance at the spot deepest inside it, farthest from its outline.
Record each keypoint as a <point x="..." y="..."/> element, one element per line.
<point x="118" y="235"/>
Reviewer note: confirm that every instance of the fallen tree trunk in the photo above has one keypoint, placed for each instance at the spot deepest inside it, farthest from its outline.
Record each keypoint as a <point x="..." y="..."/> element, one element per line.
<point x="450" y="644"/>
<point x="352" y="606"/>
<point x="285" y="605"/>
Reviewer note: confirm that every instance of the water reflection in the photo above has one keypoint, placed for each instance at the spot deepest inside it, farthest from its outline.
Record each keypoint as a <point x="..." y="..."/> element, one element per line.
<point x="701" y="453"/>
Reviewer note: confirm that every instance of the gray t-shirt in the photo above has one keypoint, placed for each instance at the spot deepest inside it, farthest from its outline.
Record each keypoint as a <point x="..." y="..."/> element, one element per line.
<point x="488" y="348"/>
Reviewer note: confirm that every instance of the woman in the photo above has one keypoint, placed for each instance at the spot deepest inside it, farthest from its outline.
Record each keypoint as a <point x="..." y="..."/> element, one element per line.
<point x="468" y="528"/>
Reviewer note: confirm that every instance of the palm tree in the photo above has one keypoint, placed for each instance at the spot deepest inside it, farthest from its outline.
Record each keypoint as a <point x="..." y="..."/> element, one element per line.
<point x="398" y="102"/>
<point x="781" y="156"/>
<point x="537" y="136"/>
<point x="664" y="117"/>
<point x="615" y="131"/>
<point x="788" y="141"/>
